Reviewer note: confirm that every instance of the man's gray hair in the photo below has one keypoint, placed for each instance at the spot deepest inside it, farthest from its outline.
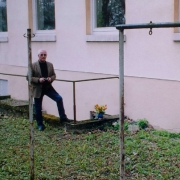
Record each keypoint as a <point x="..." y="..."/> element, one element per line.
<point x="40" y="50"/>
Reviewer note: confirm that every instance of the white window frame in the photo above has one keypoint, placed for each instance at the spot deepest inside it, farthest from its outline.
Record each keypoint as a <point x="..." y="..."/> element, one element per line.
<point x="4" y="35"/>
<point x="99" y="30"/>
<point x="41" y="35"/>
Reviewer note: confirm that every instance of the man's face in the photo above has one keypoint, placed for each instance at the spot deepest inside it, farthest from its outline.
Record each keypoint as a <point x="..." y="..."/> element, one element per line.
<point x="42" y="56"/>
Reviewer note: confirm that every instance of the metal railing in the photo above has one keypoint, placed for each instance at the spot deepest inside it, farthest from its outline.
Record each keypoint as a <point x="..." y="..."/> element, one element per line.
<point x="74" y="87"/>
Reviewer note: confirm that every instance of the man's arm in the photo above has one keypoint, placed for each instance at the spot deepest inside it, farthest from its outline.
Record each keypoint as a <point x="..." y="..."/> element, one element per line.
<point x="34" y="79"/>
<point x="53" y="74"/>
<point x="53" y="77"/>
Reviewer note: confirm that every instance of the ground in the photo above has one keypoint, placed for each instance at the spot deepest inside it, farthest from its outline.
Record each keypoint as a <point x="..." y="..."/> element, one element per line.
<point x="86" y="155"/>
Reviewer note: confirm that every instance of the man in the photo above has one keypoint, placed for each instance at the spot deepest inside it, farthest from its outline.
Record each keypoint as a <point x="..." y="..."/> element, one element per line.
<point x="42" y="77"/>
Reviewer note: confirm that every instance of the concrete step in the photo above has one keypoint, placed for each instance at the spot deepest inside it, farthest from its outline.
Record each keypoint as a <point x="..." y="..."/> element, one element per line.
<point x="93" y="123"/>
<point x="15" y="107"/>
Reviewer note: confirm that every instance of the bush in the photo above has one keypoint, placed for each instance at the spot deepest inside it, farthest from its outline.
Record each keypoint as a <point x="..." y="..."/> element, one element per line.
<point x="116" y="126"/>
<point x="143" y="123"/>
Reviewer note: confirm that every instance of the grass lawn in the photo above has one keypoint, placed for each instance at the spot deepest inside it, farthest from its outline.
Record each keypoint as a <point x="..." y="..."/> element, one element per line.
<point x="86" y="156"/>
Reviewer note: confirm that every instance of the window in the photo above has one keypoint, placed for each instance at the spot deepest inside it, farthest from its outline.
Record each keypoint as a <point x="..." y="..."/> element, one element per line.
<point x="108" y="13"/>
<point x="3" y="16"/>
<point x="3" y="87"/>
<point x="45" y="15"/>
<point x="103" y="16"/>
<point x="3" y="21"/>
<point x="44" y="20"/>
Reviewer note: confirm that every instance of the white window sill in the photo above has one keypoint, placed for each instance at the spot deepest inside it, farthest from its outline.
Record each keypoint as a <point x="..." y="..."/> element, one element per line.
<point x="3" y="37"/>
<point x="44" y="38"/>
<point x="176" y="37"/>
<point x="103" y="38"/>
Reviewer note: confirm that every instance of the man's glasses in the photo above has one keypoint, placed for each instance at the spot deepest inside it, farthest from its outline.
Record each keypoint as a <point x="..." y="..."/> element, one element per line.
<point x="43" y="54"/>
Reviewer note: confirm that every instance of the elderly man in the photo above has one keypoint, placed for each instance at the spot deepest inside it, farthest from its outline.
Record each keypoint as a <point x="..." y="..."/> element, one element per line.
<point x="42" y="77"/>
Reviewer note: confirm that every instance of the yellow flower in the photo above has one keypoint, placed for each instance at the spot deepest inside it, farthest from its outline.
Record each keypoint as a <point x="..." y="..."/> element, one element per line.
<point x="99" y="108"/>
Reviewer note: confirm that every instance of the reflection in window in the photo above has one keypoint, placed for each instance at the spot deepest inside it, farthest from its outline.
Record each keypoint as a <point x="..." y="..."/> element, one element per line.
<point x="3" y="16"/>
<point x="109" y="12"/>
<point x="45" y="15"/>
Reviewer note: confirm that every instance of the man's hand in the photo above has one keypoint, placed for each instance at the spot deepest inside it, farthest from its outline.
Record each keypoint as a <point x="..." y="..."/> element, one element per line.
<point x="41" y="80"/>
<point x="49" y="79"/>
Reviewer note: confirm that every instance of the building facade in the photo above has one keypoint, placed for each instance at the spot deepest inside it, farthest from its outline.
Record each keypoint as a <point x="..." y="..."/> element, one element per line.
<point x="82" y="43"/>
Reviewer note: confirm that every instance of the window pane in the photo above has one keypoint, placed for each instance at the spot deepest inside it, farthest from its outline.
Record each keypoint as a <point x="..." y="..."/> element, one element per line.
<point x="45" y="15"/>
<point x="3" y="16"/>
<point x="109" y="12"/>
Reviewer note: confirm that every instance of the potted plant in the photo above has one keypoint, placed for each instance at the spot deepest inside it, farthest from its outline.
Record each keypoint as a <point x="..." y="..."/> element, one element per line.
<point x="100" y="110"/>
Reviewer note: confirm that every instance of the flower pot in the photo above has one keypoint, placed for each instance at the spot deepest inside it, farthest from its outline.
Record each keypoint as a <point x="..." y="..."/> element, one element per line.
<point x="100" y="115"/>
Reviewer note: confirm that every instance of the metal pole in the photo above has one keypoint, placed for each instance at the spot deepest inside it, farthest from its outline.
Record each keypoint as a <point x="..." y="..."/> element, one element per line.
<point x="121" y="28"/>
<point x="121" y="113"/>
<point x="148" y="25"/>
<point x="30" y="106"/>
<point x="74" y="101"/>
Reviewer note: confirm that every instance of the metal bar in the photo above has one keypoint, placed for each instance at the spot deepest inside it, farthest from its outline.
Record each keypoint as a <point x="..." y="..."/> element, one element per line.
<point x="74" y="101"/>
<point x="148" y="25"/>
<point x="12" y="74"/>
<point x="63" y="80"/>
<point x="30" y="106"/>
<point x="96" y="79"/>
<point x="121" y="113"/>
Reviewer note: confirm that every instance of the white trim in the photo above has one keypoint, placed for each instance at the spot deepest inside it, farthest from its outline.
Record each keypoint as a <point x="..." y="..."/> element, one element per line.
<point x="103" y="38"/>
<point x="34" y="15"/>
<point x="3" y="37"/>
<point x="41" y="35"/>
<point x="44" y="38"/>
<point x="176" y="37"/>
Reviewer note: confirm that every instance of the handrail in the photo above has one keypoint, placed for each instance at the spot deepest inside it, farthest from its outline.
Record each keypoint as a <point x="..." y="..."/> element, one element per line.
<point x="74" y="87"/>
<point x="12" y="74"/>
<point x="64" y="79"/>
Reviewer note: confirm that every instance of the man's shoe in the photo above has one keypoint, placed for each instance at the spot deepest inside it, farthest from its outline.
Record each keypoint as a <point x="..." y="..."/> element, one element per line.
<point x="65" y="120"/>
<point x="41" y="128"/>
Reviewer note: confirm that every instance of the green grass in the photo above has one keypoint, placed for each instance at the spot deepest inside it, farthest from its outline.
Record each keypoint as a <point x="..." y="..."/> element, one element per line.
<point x="86" y="156"/>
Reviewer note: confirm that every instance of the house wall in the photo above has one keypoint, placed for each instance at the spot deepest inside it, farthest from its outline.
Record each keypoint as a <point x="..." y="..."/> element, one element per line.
<point x="151" y="62"/>
<point x="155" y="56"/>
<point x="158" y="101"/>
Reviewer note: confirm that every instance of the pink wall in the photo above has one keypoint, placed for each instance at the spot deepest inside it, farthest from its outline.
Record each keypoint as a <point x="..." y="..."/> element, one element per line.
<point x="158" y="101"/>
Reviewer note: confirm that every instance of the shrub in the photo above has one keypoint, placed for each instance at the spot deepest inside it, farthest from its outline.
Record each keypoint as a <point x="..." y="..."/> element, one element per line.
<point x="116" y="126"/>
<point x="143" y="123"/>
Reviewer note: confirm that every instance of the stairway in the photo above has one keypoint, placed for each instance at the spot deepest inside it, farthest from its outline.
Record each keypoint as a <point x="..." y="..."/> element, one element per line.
<point x="19" y="108"/>
<point x="14" y="107"/>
